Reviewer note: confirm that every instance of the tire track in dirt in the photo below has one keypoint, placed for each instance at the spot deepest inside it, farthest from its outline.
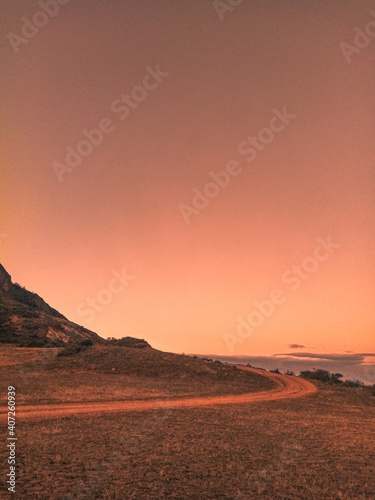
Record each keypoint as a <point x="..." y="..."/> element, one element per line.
<point x="285" y="387"/>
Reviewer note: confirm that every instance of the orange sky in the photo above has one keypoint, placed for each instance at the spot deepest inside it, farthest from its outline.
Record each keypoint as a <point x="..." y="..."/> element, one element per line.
<point x="120" y="208"/>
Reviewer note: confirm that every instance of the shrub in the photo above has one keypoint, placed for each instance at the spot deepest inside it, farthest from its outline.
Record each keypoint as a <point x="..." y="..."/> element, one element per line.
<point x="353" y="383"/>
<point x="319" y="374"/>
<point x="322" y="375"/>
<point x="128" y="342"/>
<point x="275" y="371"/>
<point x="336" y="378"/>
<point x="71" y="348"/>
<point x="331" y="378"/>
<point x="33" y="340"/>
<point x="55" y="343"/>
<point x="87" y="342"/>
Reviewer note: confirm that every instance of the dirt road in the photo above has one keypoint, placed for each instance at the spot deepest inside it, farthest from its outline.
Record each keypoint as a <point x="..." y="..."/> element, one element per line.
<point x="285" y="387"/>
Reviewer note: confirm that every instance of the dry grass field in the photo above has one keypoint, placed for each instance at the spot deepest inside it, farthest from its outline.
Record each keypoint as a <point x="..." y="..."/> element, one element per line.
<point x="103" y="373"/>
<point x="320" y="446"/>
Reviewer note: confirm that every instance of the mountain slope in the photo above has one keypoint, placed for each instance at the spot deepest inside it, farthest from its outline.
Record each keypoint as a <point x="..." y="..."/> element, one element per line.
<point x="27" y="320"/>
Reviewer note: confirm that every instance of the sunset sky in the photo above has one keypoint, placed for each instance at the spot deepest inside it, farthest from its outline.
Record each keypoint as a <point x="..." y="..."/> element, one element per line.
<point x="217" y="77"/>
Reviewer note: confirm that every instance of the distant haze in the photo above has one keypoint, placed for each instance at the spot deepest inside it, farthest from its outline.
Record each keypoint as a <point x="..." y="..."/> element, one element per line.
<point x="351" y="366"/>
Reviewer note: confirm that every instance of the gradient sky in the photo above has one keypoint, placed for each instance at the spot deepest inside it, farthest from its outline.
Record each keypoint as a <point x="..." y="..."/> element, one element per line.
<point x="120" y="207"/>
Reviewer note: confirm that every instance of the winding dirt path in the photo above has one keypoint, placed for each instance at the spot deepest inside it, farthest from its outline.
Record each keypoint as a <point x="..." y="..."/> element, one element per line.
<point x="285" y="387"/>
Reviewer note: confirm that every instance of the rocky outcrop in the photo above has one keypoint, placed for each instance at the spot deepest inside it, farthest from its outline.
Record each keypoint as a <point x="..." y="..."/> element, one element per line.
<point x="5" y="280"/>
<point x="27" y="320"/>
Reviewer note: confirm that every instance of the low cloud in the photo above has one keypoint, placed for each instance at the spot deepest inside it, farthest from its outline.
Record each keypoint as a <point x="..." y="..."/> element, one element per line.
<point x="296" y="346"/>
<point x="348" y="358"/>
